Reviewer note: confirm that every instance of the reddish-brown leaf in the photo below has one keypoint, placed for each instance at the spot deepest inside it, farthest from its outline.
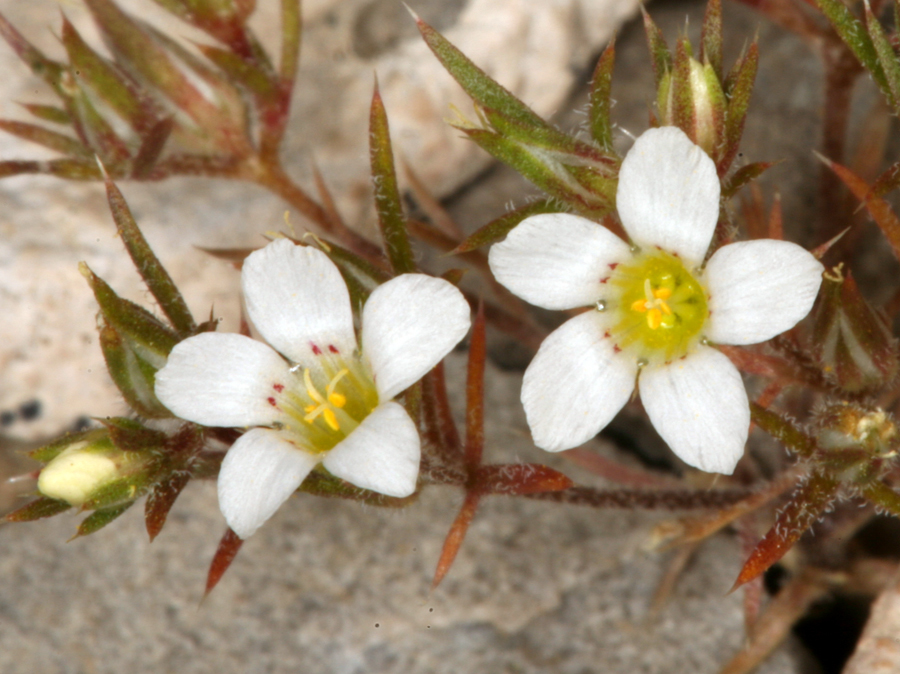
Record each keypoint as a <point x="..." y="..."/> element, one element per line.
<point x="520" y="479"/>
<point x="160" y="501"/>
<point x="228" y="548"/>
<point x="804" y="508"/>
<point x="455" y="536"/>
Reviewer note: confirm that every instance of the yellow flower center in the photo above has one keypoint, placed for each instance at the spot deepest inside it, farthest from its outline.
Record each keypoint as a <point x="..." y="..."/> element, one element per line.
<point x="324" y="405"/>
<point x="658" y="307"/>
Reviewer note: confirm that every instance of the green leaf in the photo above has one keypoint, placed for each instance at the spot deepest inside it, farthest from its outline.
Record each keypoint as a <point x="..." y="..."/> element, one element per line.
<point x="132" y="436"/>
<point x="70" y="169"/>
<point x="112" y="86"/>
<point x="499" y="228"/>
<point x="148" y="265"/>
<point x="853" y="33"/>
<point x="886" y="57"/>
<point x="48" y="113"/>
<point x="476" y="83"/>
<point x="387" y="195"/>
<point x="36" y="510"/>
<point x="131" y="319"/>
<point x="97" y="520"/>
<point x="711" y="37"/>
<point x="47" y="69"/>
<point x="783" y="430"/>
<point x="51" y="139"/>
<point x="543" y="169"/>
<point x="152" y="145"/>
<point x="886" y="182"/>
<point x="600" y="98"/>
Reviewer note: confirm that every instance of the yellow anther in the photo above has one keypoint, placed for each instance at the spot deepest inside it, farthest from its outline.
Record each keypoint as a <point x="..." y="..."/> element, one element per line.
<point x="639" y="305"/>
<point x="662" y="293"/>
<point x="654" y="305"/>
<point x="654" y="318"/>
<point x="326" y="403"/>
<point x="330" y="419"/>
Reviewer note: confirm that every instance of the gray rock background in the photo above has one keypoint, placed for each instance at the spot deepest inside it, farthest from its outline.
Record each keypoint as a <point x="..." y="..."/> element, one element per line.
<point x="328" y="586"/>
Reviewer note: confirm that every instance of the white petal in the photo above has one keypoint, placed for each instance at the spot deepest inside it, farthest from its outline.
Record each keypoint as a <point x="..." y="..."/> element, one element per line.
<point x="699" y="406"/>
<point x="759" y="289"/>
<point x="259" y="473"/>
<point x="576" y="384"/>
<point x="221" y="379"/>
<point x="381" y="454"/>
<point x="668" y="194"/>
<point x="408" y="325"/>
<point x="297" y="300"/>
<point x="557" y="260"/>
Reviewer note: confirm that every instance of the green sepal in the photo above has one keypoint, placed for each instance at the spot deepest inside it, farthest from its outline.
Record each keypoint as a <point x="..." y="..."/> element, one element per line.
<point x="711" y="37"/>
<point x="659" y="50"/>
<point x="130" y="435"/>
<point x="601" y="99"/>
<point x="148" y="265"/>
<point x="321" y="483"/>
<point x="680" y="110"/>
<point x="743" y="176"/>
<point x="853" y="33"/>
<point x="482" y="89"/>
<point x="122" y="490"/>
<point x="53" y="140"/>
<point x="37" y="510"/>
<point x="387" y="195"/>
<point x="99" y="519"/>
<point x="883" y="496"/>
<point x="48" y="452"/>
<point x="738" y="89"/>
<point x="154" y="338"/>
<point x="499" y="228"/>
<point x="133" y="375"/>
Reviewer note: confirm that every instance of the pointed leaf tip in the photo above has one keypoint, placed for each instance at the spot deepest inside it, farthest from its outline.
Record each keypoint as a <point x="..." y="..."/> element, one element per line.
<point x="228" y="548"/>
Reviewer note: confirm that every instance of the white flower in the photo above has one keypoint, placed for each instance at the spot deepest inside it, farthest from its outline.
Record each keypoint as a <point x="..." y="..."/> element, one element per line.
<point x="656" y="309"/>
<point x="313" y="396"/>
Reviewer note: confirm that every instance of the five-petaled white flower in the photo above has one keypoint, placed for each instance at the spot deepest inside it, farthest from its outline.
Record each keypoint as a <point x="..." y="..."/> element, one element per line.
<point x="314" y="395"/>
<point x="657" y="310"/>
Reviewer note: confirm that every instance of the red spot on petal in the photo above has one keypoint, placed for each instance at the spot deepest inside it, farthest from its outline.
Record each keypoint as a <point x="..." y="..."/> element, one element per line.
<point x="333" y="348"/>
<point x="278" y="387"/>
<point x="606" y="334"/>
<point x="272" y="401"/>
<point x="315" y="349"/>
<point x="613" y="265"/>
<point x="616" y="348"/>
<point x="604" y="279"/>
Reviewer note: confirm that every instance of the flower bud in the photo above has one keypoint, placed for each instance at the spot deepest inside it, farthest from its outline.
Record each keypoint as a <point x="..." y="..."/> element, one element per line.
<point x="856" y="348"/>
<point x="94" y="474"/>
<point x="847" y="426"/>
<point x="691" y="98"/>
